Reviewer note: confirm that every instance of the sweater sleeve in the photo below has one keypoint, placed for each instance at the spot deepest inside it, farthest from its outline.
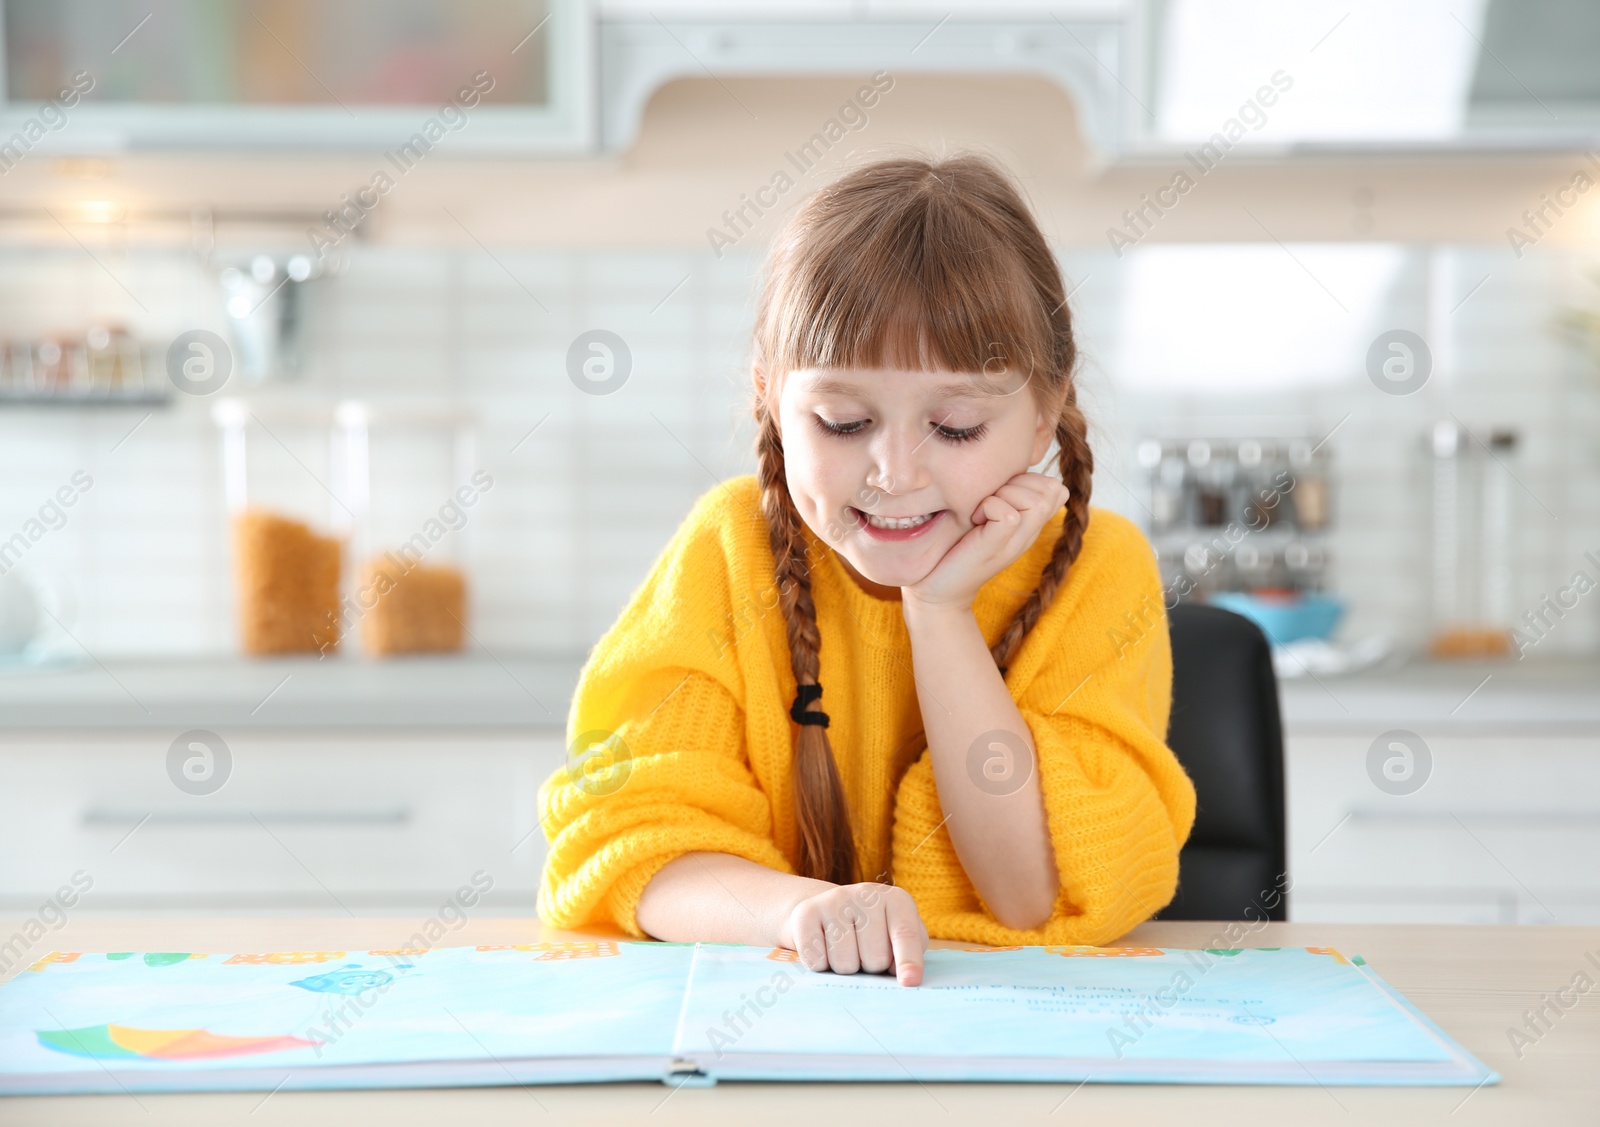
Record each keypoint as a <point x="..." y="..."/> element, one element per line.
<point x="657" y="722"/>
<point x="671" y="779"/>
<point x="1118" y="804"/>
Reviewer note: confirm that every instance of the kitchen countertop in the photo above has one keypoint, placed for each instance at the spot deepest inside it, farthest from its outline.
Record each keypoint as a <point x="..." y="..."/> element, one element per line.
<point x="533" y="691"/>
<point x="1466" y="696"/>
<point x="525" y="691"/>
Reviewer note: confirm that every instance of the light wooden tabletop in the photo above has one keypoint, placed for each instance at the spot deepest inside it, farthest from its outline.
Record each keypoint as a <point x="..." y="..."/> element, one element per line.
<point x="1476" y="982"/>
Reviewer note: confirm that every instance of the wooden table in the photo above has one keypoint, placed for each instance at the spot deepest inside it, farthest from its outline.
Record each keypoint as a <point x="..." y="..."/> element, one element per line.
<point x="1476" y="982"/>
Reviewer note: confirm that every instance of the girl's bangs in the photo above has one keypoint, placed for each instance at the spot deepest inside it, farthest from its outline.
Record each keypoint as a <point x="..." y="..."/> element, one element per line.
<point x="912" y="303"/>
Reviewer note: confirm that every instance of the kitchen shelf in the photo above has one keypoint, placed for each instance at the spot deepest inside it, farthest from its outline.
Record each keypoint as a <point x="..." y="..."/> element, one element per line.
<point x="85" y="399"/>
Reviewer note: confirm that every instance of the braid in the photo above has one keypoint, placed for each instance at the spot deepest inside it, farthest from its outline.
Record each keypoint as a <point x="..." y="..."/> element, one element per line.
<point x="1076" y="461"/>
<point x="827" y="848"/>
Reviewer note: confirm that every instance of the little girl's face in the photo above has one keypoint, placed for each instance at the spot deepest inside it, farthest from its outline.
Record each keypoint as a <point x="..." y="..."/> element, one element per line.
<point x="915" y="443"/>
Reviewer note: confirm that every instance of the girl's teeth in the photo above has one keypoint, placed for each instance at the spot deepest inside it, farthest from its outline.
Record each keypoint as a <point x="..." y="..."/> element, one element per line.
<point x="906" y="522"/>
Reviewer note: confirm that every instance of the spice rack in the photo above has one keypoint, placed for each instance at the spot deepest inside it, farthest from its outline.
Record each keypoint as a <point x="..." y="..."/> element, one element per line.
<point x="1239" y="514"/>
<point x="106" y="365"/>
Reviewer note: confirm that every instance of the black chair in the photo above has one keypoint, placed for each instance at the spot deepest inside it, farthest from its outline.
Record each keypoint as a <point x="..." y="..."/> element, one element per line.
<point x="1226" y="732"/>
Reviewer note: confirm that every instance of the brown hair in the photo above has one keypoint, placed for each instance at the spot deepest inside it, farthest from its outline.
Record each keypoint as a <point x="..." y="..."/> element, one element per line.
<point x="912" y="263"/>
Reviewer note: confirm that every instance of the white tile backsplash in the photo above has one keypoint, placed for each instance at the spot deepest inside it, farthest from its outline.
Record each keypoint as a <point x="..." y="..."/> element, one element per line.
<point x="582" y="507"/>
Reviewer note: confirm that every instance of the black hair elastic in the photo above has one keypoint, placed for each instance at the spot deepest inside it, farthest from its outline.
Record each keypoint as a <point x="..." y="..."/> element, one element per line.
<point x="805" y="695"/>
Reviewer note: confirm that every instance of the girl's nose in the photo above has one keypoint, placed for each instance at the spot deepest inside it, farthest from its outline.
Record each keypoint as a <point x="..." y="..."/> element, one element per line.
<point x="899" y="461"/>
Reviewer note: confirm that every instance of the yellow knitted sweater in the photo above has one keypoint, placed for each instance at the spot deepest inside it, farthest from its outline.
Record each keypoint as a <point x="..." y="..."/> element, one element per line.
<point x="692" y="687"/>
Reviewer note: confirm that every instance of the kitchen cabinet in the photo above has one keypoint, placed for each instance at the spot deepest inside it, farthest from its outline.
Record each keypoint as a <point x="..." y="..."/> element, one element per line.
<point x="383" y="786"/>
<point x="294" y="76"/>
<point x="316" y="821"/>
<point x="1504" y="829"/>
<point x="348" y="75"/>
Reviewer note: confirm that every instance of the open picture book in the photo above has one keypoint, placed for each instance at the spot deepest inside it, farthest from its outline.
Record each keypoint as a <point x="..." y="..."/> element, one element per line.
<point x="553" y="1013"/>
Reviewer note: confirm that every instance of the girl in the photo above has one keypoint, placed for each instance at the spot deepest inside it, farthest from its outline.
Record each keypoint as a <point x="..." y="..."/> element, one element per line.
<point x="991" y="765"/>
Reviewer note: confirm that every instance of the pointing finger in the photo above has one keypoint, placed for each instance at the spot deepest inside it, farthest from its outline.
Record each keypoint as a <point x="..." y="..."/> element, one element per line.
<point x="908" y="940"/>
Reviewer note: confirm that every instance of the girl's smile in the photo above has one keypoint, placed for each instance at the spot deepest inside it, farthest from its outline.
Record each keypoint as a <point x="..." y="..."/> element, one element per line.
<point x="895" y="528"/>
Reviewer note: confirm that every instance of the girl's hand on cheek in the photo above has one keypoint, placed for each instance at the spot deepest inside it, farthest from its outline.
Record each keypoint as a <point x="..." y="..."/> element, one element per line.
<point x="1006" y="523"/>
<point x="866" y="927"/>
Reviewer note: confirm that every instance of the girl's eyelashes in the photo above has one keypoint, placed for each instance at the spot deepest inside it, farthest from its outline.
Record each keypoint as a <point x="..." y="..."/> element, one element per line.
<point x="969" y="434"/>
<point x="840" y="430"/>
<point x="948" y="433"/>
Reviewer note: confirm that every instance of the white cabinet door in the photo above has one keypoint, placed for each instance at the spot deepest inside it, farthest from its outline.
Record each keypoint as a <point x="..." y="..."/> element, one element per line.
<point x="1487" y="828"/>
<point x="317" y="822"/>
<point x="506" y="78"/>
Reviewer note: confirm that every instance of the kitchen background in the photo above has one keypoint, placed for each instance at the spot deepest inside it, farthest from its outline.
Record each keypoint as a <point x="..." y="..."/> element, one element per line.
<point x="1212" y="339"/>
<point x="1240" y="327"/>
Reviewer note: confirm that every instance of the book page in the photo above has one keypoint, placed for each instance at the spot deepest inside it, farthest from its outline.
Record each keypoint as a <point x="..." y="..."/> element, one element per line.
<point x="184" y="1012"/>
<point x="1267" y="1007"/>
